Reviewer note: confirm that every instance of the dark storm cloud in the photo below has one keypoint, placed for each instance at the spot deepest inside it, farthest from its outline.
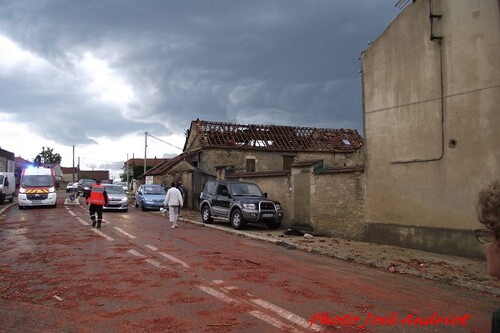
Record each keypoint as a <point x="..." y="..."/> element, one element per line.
<point x="289" y="62"/>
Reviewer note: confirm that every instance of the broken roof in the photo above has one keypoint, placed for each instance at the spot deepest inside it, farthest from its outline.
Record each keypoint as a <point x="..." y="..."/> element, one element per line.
<point x="275" y="137"/>
<point x="168" y="163"/>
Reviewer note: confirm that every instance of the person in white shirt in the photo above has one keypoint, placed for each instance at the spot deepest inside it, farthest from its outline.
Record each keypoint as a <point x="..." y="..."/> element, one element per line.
<point x="174" y="201"/>
<point x="75" y="189"/>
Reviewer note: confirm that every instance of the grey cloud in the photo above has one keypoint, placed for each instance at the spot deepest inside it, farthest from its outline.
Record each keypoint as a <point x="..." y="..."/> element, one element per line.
<point x="267" y="61"/>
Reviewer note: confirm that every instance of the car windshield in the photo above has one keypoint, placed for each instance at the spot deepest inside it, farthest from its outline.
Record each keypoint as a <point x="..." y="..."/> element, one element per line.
<point x="154" y="190"/>
<point x="246" y="189"/>
<point x="1" y="179"/>
<point x="114" y="189"/>
<point x="37" y="181"/>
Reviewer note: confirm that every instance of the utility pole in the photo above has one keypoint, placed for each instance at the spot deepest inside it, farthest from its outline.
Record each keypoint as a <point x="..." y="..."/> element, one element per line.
<point x="128" y="174"/>
<point x="146" y="148"/>
<point x="145" y="151"/>
<point x="73" y="170"/>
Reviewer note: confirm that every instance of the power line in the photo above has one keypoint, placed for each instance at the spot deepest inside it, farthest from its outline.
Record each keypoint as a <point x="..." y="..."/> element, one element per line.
<point x="163" y="141"/>
<point x="146" y="146"/>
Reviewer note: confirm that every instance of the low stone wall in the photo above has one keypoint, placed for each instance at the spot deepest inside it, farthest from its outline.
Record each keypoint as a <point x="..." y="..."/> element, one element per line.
<point x="336" y="197"/>
<point x="337" y="205"/>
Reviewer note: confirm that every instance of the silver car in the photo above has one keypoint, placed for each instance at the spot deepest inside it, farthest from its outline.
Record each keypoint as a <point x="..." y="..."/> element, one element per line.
<point x="118" y="199"/>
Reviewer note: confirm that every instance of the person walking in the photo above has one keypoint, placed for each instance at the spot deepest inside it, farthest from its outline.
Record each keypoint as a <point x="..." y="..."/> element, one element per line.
<point x="97" y="199"/>
<point x="174" y="201"/>
<point x="75" y="189"/>
<point x="183" y="192"/>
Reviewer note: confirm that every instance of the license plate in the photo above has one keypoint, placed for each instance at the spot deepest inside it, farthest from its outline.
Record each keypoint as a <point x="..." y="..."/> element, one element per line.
<point x="267" y="215"/>
<point x="36" y="201"/>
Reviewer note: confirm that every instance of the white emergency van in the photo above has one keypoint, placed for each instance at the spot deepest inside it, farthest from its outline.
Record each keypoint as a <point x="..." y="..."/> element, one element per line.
<point x="7" y="187"/>
<point x="37" y="187"/>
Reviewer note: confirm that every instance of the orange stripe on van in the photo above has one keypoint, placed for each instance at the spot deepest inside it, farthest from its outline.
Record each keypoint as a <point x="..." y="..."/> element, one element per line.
<point x="38" y="190"/>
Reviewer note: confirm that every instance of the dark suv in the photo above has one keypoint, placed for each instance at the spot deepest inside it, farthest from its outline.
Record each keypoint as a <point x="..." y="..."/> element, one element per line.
<point x="84" y="186"/>
<point x="240" y="203"/>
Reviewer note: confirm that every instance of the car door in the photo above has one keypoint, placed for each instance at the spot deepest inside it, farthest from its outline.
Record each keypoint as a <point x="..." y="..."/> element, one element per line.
<point x="138" y="195"/>
<point x="221" y="202"/>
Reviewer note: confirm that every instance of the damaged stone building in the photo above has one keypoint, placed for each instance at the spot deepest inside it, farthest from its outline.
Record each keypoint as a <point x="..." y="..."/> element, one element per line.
<point x="285" y="161"/>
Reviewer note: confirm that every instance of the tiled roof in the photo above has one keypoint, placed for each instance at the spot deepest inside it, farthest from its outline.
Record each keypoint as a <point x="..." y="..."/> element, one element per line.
<point x="69" y="170"/>
<point x="150" y="162"/>
<point x="95" y="174"/>
<point x="21" y="162"/>
<point x="168" y="163"/>
<point x="274" y="137"/>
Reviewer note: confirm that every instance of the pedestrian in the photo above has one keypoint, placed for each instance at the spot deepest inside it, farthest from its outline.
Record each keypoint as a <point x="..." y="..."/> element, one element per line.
<point x="75" y="189"/>
<point x="183" y="192"/>
<point x="489" y="216"/>
<point x="173" y="201"/>
<point x="97" y="199"/>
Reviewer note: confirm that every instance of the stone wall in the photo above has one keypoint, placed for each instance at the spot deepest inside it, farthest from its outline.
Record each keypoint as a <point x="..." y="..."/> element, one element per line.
<point x="338" y="204"/>
<point x="267" y="160"/>
<point x="277" y="188"/>
<point x="331" y="202"/>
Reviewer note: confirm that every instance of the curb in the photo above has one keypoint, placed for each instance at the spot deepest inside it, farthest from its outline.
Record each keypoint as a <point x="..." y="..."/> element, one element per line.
<point x="291" y="246"/>
<point x="4" y="208"/>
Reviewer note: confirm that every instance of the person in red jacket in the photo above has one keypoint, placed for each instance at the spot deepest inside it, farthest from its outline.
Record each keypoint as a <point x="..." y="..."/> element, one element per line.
<point x="97" y="199"/>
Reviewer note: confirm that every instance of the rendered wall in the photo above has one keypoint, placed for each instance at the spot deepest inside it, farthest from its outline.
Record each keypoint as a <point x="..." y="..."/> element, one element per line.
<point x="427" y="156"/>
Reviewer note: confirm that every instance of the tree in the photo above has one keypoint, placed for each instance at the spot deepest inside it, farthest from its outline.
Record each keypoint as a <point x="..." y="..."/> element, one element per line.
<point x="48" y="157"/>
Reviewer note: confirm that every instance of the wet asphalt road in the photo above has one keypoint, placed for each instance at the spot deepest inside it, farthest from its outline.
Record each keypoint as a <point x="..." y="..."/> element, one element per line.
<point x="136" y="274"/>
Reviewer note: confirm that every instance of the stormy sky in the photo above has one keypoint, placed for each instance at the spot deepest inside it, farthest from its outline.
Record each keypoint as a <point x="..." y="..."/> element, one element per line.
<point x="98" y="74"/>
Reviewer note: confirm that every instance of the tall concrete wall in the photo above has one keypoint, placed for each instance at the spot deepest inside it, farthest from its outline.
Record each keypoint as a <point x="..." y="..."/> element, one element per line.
<point x="431" y="124"/>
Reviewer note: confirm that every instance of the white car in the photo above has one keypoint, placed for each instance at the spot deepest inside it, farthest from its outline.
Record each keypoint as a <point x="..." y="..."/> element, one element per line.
<point x="122" y="184"/>
<point x="69" y="187"/>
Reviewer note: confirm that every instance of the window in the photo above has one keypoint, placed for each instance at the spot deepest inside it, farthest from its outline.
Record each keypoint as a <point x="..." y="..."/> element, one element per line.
<point x="250" y="164"/>
<point x="210" y="188"/>
<point x="222" y="190"/>
<point x="287" y="162"/>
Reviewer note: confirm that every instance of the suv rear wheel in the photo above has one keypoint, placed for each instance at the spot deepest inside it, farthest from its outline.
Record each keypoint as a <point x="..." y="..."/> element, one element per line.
<point x="205" y="214"/>
<point x="237" y="221"/>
